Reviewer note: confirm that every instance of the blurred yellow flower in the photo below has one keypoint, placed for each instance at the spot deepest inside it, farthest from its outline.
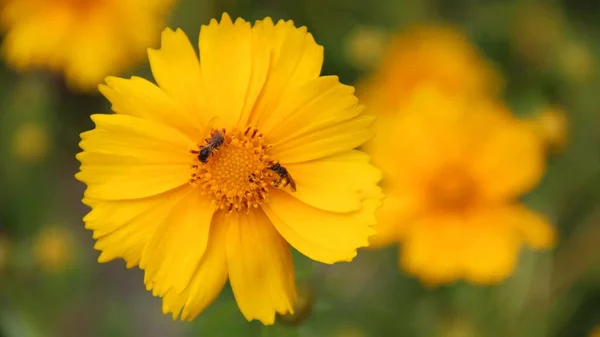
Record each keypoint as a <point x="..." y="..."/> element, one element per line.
<point x="53" y="248"/>
<point x="30" y="142"/>
<point x="85" y="39"/>
<point x="577" y="61"/>
<point x="439" y="56"/>
<point x="453" y="170"/>
<point x="364" y="46"/>
<point x="4" y="251"/>
<point x="552" y="126"/>
<point x="213" y="173"/>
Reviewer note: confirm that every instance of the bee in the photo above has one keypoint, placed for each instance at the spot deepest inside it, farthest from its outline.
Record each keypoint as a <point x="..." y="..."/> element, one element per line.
<point x="284" y="176"/>
<point x="216" y="139"/>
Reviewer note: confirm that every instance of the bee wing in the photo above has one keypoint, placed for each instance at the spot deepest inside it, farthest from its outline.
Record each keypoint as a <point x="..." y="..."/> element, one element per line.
<point x="211" y="124"/>
<point x="291" y="182"/>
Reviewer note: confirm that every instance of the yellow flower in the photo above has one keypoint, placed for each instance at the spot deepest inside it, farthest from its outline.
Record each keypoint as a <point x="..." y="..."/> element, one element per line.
<point x="552" y="126"/>
<point x="53" y="248"/>
<point x="188" y="179"/>
<point x="4" y="251"/>
<point x="30" y="142"/>
<point x="441" y="56"/>
<point x="364" y="46"/>
<point x="453" y="172"/>
<point x="85" y="39"/>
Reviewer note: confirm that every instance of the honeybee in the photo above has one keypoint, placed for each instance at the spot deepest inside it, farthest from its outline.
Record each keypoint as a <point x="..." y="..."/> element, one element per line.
<point x="216" y="139"/>
<point x="284" y="176"/>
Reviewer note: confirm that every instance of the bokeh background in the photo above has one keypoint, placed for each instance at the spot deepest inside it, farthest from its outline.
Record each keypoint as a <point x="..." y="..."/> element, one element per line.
<point x="548" y="53"/>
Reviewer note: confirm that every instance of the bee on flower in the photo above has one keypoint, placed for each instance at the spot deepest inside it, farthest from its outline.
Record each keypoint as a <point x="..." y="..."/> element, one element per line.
<point x="86" y="40"/>
<point x="454" y="170"/>
<point x="191" y="178"/>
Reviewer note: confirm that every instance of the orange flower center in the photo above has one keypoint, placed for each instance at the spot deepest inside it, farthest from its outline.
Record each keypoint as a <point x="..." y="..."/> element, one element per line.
<point x="235" y="169"/>
<point x="452" y="190"/>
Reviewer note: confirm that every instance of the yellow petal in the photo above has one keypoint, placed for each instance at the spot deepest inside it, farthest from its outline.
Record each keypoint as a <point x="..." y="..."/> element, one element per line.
<point x="208" y="280"/>
<point x="178" y="244"/>
<point x="321" y="104"/>
<point x="128" y="158"/>
<point x="235" y="64"/>
<point x="22" y="50"/>
<point x="338" y="183"/>
<point x="261" y="272"/>
<point x="325" y="142"/>
<point x="492" y="250"/>
<point x="510" y="161"/>
<point x="322" y="236"/>
<point x="393" y="217"/>
<point x="296" y="60"/>
<point x="141" y="98"/>
<point x="123" y="228"/>
<point x="177" y="71"/>
<point x="534" y="227"/>
<point x="480" y="246"/>
<point x="432" y="248"/>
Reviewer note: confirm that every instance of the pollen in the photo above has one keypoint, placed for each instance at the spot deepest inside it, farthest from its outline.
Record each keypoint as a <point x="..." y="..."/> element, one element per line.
<point x="452" y="190"/>
<point x="237" y="174"/>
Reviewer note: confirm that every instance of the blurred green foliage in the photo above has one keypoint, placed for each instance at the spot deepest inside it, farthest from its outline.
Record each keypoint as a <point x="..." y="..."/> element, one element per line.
<point x="548" y="52"/>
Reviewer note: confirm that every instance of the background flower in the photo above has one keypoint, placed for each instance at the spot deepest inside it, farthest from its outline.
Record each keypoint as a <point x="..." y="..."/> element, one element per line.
<point x="435" y="55"/>
<point x="453" y="170"/>
<point x="84" y="39"/>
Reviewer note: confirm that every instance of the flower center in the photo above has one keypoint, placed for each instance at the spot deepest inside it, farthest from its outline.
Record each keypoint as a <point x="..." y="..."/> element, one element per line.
<point x="452" y="190"/>
<point x="235" y="170"/>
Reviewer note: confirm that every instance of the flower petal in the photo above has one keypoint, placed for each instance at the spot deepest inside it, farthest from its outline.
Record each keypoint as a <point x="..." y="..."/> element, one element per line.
<point x="492" y="252"/>
<point x="534" y="227"/>
<point x="176" y="69"/>
<point x="141" y="98"/>
<point x="432" y="248"/>
<point x="479" y="246"/>
<point x="338" y="183"/>
<point x="296" y="60"/>
<point x="260" y="265"/>
<point x="325" y="142"/>
<point x="208" y="280"/>
<point x="235" y="64"/>
<point x="393" y="217"/>
<point x="123" y="228"/>
<point x="178" y="244"/>
<point x="322" y="236"/>
<point x="510" y="160"/>
<point x="128" y="158"/>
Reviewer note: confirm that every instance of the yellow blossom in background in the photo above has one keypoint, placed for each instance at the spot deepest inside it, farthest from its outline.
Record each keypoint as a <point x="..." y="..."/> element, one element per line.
<point x="84" y="39"/>
<point x="552" y="126"/>
<point x="435" y="55"/>
<point x="577" y="61"/>
<point x="30" y="142"/>
<point x="364" y="46"/>
<point x="213" y="173"/>
<point x="453" y="171"/>
<point x="4" y="251"/>
<point x="457" y="327"/>
<point x="53" y="248"/>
